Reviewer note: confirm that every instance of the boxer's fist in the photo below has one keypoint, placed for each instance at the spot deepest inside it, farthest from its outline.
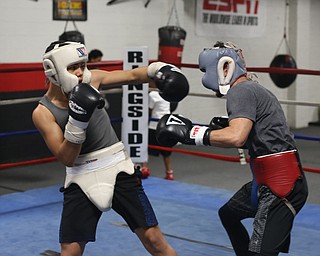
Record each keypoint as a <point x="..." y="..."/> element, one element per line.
<point x="170" y="81"/>
<point x="83" y="100"/>
<point x="218" y="122"/>
<point x="172" y="129"/>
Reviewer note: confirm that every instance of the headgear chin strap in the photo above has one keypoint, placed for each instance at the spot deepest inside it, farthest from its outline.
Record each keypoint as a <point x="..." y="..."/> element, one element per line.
<point x="56" y="62"/>
<point x="212" y="61"/>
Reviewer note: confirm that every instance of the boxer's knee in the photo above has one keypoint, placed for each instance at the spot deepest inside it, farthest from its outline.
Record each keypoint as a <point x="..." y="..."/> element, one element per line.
<point x="154" y="241"/>
<point x="72" y="249"/>
<point x="225" y="213"/>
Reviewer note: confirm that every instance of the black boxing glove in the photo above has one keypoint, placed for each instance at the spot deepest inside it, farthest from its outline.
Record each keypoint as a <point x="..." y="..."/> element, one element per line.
<point x="83" y="100"/>
<point x="218" y="122"/>
<point x="172" y="129"/>
<point x="170" y="81"/>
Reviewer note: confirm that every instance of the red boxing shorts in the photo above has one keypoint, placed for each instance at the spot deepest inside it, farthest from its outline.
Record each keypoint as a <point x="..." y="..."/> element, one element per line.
<point x="278" y="171"/>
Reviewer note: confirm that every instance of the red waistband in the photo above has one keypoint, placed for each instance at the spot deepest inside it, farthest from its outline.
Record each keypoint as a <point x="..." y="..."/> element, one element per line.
<point x="278" y="171"/>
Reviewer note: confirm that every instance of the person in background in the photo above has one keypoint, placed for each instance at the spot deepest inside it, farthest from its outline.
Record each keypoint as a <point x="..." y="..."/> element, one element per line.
<point x="158" y="107"/>
<point x="95" y="55"/>
<point x="100" y="174"/>
<point x="256" y="121"/>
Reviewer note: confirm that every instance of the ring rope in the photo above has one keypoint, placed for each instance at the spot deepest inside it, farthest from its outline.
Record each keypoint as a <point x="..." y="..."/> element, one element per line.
<point x="18" y="101"/>
<point x="306" y="137"/>
<point x="197" y="153"/>
<point x="288" y="102"/>
<point x="115" y="120"/>
<point x="104" y="64"/>
<point x="297" y="71"/>
<point x="215" y="156"/>
<point x="119" y="90"/>
<point x="39" y="67"/>
<point x="29" y="162"/>
<point x="34" y="99"/>
<point x="9" y="134"/>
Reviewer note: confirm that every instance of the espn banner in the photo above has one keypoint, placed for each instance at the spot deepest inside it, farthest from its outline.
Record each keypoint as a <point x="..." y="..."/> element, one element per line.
<point x="135" y="114"/>
<point x="231" y="18"/>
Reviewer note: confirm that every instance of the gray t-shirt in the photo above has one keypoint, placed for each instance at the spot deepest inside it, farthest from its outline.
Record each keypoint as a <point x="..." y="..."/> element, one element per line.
<point x="270" y="132"/>
<point x="100" y="133"/>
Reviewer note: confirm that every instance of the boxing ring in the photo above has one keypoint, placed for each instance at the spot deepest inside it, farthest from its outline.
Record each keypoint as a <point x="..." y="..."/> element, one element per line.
<point x="186" y="208"/>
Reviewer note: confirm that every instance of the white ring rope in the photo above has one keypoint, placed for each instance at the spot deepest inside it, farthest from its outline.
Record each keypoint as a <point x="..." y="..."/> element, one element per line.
<point x="119" y="90"/>
<point x="289" y="102"/>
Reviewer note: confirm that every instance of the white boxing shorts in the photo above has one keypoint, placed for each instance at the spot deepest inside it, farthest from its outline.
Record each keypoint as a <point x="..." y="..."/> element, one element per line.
<point x="96" y="173"/>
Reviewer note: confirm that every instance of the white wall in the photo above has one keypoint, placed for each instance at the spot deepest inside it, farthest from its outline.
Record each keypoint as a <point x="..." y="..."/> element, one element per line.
<point x="27" y="29"/>
<point x="307" y="52"/>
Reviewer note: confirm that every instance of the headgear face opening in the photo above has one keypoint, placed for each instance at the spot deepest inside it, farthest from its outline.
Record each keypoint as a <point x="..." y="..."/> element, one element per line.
<point x="212" y="62"/>
<point x="56" y="62"/>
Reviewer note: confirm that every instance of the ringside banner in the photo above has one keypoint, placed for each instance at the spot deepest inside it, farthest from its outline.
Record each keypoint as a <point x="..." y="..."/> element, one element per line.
<point x="231" y="18"/>
<point x="134" y="128"/>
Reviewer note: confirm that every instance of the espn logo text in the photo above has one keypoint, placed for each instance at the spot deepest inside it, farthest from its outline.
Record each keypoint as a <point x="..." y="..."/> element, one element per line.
<point x="234" y="6"/>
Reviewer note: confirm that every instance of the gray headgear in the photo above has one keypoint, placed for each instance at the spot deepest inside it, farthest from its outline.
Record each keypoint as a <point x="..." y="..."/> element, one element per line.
<point x="212" y="61"/>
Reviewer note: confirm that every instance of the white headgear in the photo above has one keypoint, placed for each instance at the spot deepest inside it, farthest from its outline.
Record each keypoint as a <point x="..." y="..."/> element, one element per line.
<point x="211" y="62"/>
<point x="56" y="62"/>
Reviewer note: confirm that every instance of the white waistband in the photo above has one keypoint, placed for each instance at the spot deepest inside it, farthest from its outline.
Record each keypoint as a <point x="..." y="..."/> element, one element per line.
<point x="102" y="158"/>
<point x="278" y="153"/>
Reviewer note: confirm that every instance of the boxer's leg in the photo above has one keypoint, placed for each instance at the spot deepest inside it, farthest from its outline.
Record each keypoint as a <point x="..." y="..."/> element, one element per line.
<point x="232" y="213"/>
<point x="77" y="208"/>
<point x="131" y="202"/>
<point x="273" y="228"/>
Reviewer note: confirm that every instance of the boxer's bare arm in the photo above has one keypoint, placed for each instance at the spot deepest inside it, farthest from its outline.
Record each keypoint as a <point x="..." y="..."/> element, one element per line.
<point x="65" y="151"/>
<point x="171" y="82"/>
<point x="119" y="77"/>
<point x="235" y="135"/>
